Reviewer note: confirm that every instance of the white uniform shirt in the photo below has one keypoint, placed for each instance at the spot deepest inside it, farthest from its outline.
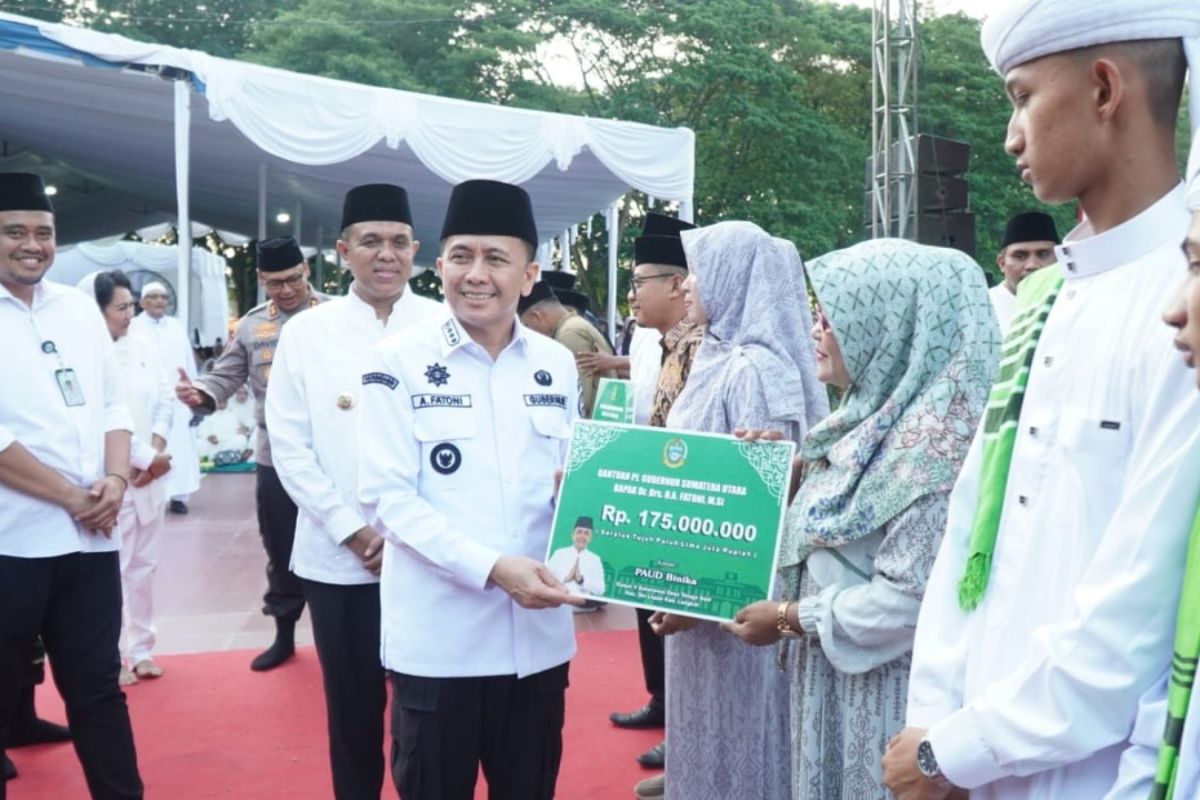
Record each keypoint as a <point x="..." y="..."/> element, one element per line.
<point x="645" y="363"/>
<point x="174" y="351"/>
<point x="457" y="461"/>
<point x="1035" y="692"/>
<point x="1004" y="303"/>
<point x="312" y="407"/>
<point x="68" y="439"/>
<point x="591" y="570"/>
<point x="151" y="403"/>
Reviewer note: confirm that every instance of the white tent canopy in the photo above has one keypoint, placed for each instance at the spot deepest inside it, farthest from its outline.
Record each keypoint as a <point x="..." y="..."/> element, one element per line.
<point x="89" y="110"/>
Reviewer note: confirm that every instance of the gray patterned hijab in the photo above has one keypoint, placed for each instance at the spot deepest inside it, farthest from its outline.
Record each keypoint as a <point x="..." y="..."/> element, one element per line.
<point x="921" y="345"/>
<point x="751" y="286"/>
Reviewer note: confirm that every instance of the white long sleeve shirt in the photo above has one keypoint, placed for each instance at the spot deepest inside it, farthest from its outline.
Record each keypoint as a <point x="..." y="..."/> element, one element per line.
<point x="68" y="439"/>
<point x="312" y="410"/>
<point x="645" y="364"/>
<point x="1034" y="694"/>
<point x="151" y="403"/>
<point x="1004" y="303"/>
<point x="591" y="570"/>
<point x="456" y="468"/>
<point x="174" y="352"/>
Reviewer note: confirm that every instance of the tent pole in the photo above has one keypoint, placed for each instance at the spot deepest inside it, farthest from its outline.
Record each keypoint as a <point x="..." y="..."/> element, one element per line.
<point x="183" y="120"/>
<point x="262" y="220"/>
<point x="611" y="223"/>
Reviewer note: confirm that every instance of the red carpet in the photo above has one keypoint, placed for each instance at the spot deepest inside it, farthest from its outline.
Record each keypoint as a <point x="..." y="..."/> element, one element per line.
<point x="211" y="728"/>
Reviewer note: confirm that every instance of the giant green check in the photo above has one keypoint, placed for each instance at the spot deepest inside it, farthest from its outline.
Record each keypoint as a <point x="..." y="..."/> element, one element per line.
<point x="682" y="522"/>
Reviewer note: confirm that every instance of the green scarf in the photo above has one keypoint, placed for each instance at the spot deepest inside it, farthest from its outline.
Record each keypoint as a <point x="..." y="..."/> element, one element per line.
<point x="1034" y="301"/>
<point x="1183" y="670"/>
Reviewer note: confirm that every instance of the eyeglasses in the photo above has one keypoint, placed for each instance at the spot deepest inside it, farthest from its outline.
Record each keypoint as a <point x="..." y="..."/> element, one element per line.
<point x="292" y="282"/>
<point x="639" y="281"/>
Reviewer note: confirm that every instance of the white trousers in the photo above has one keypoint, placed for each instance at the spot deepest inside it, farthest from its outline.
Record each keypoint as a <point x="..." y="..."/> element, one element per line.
<point x="139" y="560"/>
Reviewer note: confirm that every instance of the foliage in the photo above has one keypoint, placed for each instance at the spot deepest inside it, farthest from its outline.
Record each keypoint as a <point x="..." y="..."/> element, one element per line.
<point x="776" y="91"/>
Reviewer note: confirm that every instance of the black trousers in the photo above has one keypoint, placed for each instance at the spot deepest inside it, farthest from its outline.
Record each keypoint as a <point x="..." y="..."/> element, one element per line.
<point x="345" y="622"/>
<point x="74" y="602"/>
<point x="654" y="667"/>
<point x="277" y="526"/>
<point x="443" y="729"/>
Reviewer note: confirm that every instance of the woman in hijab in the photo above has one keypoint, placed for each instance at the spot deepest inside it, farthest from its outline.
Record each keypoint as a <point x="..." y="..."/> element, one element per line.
<point x="907" y="332"/>
<point x="727" y="704"/>
<point x="150" y="401"/>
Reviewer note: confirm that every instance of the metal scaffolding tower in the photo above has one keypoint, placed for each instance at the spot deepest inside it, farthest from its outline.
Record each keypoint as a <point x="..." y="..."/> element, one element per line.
<point x="894" y="206"/>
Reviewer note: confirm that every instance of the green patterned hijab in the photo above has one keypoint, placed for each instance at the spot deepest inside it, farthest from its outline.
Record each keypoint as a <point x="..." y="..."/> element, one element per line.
<point x="921" y="345"/>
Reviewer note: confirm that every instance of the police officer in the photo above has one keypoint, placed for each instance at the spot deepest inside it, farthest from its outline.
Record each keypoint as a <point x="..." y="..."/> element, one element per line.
<point x="64" y="469"/>
<point x="312" y="409"/>
<point x="465" y="420"/>
<point x="249" y="356"/>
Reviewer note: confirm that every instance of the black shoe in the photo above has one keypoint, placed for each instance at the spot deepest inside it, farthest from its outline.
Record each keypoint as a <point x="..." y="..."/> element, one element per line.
<point x="10" y="769"/>
<point x="40" y="731"/>
<point x="178" y="507"/>
<point x="273" y="656"/>
<point x="655" y="757"/>
<point x="648" y="716"/>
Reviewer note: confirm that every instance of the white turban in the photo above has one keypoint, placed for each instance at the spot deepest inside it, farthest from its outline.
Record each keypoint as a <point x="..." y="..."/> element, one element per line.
<point x="1022" y="30"/>
<point x="154" y="286"/>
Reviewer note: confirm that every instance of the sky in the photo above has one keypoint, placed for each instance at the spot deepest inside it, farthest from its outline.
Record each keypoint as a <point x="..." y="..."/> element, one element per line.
<point x="974" y="8"/>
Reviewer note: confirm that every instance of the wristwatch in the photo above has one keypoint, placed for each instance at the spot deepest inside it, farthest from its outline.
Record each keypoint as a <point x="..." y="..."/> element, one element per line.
<point x="783" y="624"/>
<point x="928" y="765"/>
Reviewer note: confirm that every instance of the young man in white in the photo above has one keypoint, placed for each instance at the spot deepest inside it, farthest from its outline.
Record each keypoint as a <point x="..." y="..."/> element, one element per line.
<point x="464" y="421"/>
<point x="312" y="412"/>
<point x="1026" y="684"/>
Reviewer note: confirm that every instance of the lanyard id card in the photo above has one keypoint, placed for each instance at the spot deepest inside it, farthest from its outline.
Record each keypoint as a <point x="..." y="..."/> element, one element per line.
<point x="68" y="384"/>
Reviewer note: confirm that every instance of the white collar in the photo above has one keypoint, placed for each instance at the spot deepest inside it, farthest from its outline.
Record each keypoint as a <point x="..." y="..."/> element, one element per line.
<point x="1084" y="253"/>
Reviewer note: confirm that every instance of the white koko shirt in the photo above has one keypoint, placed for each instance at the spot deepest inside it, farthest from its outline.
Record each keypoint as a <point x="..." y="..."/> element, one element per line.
<point x="457" y="461"/>
<point x="1004" y="303"/>
<point x="591" y="570"/>
<point x="1034" y="694"/>
<point x="312" y="407"/>
<point x="68" y="439"/>
<point x="645" y="364"/>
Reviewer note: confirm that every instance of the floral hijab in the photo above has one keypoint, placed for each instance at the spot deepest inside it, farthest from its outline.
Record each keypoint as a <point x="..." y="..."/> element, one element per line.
<point x="921" y="345"/>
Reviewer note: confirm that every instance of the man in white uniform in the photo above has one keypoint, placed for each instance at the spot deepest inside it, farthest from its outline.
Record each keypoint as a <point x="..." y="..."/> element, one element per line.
<point x="175" y="353"/>
<point x="64" y="469"/>
<point x="1027" y="246"/>
<point x="1027" y="673"/>
<point x="312" y="413"/>
<point x="1143" y="771"/>
<point x="464" y="421"/>
<point x="578" y="568"/>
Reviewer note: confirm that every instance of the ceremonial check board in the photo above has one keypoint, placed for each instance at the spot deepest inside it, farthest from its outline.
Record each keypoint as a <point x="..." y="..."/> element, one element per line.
<point x="681" y="522"/>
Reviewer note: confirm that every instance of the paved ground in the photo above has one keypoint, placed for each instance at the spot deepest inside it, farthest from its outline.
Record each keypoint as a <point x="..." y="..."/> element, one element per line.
<point x="211" y="576"/>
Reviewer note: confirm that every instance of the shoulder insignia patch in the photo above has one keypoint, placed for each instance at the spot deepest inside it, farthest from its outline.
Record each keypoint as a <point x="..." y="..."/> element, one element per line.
<point x="380" y="377"/>
<point x="450" y="332"/>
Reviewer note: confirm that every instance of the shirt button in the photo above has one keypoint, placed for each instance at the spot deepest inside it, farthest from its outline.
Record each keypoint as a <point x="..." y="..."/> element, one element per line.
<point x="1023" y="500"/>
<point x="1070" y="294"/>
<point x="1048" y="360"/>
<point x="1033" y="430"/>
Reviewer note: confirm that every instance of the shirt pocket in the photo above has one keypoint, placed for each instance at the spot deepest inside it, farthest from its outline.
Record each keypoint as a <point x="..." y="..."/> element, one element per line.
<point x="1096" y="454"/>
<point x="447" y="455"/>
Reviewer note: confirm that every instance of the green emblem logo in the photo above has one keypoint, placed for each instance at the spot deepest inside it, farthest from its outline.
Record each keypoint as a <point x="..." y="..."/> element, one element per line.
<point x="675" y="453"/>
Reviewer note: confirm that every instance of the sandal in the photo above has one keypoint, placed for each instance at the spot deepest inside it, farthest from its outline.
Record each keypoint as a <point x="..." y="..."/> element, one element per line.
<point x="147" y="669"/>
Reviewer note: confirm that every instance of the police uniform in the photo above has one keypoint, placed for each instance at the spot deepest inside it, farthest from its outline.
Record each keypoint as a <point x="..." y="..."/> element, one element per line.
<point x="60" y="394"/>
<point x="248" y="358"/>
<point x="457" y="457"/>
<point x="312" y="409"/>
<point x="580" y="336"/>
